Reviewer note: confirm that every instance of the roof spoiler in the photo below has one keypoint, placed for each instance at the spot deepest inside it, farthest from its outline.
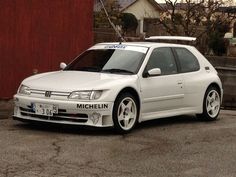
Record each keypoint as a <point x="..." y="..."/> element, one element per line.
<point x="177" y="38"/>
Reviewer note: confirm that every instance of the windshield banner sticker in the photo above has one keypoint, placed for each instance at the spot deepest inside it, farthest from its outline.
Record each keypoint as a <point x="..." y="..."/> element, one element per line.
<point x="115" y="47"/>
<point x="120" y="47"/>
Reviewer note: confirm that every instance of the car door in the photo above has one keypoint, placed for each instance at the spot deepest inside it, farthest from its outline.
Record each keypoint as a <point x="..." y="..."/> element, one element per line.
<point x="193" y="79"/>
<point x="165" y="91"/>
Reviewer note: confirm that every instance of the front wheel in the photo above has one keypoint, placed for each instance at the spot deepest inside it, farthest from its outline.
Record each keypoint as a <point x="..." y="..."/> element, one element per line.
<point x="125" y="113"/>
<point x="211" y="104"/>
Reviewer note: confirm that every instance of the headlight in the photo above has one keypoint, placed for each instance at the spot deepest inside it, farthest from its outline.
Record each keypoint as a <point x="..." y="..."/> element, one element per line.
<point x="85" y="95"/>
<point x="24" y="90"/>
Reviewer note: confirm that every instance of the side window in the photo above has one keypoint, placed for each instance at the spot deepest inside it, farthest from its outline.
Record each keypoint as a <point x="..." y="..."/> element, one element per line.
<point x="162" y="58"/>
<point x="188" y="62"/>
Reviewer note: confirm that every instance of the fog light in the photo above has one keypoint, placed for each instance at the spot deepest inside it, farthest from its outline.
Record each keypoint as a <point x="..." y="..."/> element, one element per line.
<point x="95" y="117"/>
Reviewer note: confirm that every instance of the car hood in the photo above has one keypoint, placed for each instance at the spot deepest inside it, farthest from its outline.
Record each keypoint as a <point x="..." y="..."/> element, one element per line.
<point x="76" y="80"/>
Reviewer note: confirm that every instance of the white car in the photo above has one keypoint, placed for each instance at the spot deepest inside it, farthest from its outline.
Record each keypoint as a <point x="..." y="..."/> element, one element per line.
<point x="120" y="84"/>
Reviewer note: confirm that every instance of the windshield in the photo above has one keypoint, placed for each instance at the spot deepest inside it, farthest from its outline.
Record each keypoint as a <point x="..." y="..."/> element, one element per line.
<point x="108" y="60"/>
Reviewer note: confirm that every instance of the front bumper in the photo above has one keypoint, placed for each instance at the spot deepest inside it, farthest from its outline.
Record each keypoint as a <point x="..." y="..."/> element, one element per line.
<point x="97" y="114"/>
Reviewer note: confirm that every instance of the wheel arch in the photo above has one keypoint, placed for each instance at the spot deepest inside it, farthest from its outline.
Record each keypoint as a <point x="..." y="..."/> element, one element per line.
<point x="134" y="92"/>
<point x="216" y="85"/>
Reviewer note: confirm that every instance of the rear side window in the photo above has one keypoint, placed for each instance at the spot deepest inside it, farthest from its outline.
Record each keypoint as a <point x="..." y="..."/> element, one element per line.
<point x="188" y="62"/>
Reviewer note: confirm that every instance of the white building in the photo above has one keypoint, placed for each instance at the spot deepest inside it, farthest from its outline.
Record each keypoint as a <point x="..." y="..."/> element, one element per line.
<point x="143" y="9"/>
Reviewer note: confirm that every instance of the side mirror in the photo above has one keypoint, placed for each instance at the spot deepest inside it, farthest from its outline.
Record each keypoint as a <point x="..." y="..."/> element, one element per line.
<point x="62" y="65"/>
<point x="154" y="72"/>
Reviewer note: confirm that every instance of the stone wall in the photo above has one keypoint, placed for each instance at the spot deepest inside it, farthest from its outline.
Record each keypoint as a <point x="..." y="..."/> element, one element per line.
<point x="104" y="35"/>
<point x="226" y="67"/>
<point x="231" y="50"/>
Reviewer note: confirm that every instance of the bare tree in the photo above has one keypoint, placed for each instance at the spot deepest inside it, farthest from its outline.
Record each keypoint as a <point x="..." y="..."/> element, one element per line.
<point x="186" y="18"/>
<point x="112" y="9"/>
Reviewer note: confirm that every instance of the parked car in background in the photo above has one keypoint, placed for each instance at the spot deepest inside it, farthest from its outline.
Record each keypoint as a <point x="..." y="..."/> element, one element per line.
<point x="120" y="84"/>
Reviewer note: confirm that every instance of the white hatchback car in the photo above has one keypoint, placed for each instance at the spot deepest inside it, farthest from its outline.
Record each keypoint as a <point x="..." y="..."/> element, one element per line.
<point x="120" y="84"/>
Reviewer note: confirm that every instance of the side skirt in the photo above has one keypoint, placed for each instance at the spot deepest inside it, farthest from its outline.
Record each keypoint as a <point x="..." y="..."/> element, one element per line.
<point x="167" y="113"/>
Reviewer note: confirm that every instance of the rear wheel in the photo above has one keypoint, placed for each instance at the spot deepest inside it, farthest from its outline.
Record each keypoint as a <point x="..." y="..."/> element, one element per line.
<point x="211" y="104"/>
<point x="125" y="113"/>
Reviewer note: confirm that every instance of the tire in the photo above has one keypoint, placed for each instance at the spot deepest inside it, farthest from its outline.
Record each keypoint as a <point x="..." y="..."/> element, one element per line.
<point x="125" y="113"/>
<point x="211" y="104"/>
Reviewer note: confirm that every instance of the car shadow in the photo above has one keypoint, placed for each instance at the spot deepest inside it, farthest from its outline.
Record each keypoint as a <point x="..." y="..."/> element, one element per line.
<point x="65" y="129"/>
<point x="86" y="130"/>
<point x="184" y="119"/>
<point x="174" y="121"/>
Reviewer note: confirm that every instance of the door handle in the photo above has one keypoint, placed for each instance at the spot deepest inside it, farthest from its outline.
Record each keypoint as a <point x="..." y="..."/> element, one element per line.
<point x="180" y="83"/>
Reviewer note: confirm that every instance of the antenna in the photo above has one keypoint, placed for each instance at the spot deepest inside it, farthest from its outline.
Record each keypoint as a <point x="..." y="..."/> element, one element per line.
<point x="120" y="41"/>
<point x="112" y="24"/>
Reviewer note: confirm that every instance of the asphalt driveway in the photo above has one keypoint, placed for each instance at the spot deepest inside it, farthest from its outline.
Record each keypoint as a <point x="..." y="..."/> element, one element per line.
<point x="177" y="146"/>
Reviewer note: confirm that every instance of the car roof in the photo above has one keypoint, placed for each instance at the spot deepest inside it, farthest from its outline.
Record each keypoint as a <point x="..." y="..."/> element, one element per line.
<point x="145" y="44"/>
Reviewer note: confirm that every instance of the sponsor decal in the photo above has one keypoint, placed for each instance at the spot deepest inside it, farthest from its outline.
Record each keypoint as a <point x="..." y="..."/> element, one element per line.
<point x="48" y="94"/>
<point x="92" y="106"/>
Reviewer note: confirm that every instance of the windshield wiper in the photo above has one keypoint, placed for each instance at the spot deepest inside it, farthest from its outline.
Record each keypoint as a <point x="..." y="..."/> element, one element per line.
<point x="92" y="69"/>
<point x="115" y="70"/>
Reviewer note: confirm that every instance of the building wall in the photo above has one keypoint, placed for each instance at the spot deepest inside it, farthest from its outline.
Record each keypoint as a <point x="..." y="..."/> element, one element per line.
<point x="142" y="9"/>
<point x="36" y="35"/>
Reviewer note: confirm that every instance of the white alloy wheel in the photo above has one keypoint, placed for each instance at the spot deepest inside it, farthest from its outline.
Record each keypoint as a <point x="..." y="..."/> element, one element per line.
<point x="125" y="112"/>
<point x="213" y="103"/>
